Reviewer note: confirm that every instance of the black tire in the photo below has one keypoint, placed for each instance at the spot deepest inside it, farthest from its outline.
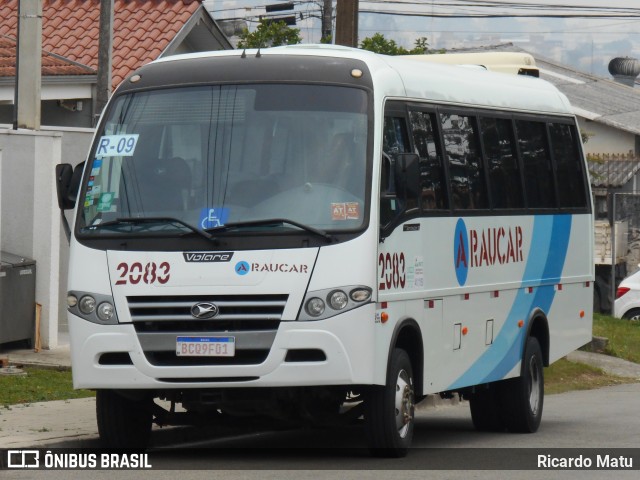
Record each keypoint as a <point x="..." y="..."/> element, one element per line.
<point x="123" y="422"/>
<point x="486" y="409"/>
<point x="389" y="414"/>
<point x="632" y="315"/>
<point x="524" y="396"/>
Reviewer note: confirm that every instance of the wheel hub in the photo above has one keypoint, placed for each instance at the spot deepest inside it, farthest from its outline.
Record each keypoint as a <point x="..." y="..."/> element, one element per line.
<point x="404" y="404"/>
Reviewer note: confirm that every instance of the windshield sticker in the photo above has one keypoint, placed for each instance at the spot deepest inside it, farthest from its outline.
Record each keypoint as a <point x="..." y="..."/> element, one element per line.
<point x="117" y="146"/>
<point x="106" y="199"/>
<point x="95" y="171"/>
<point x="345" y="211"/>
<point x="97" y="163"/>
<point x="213" y="217"/>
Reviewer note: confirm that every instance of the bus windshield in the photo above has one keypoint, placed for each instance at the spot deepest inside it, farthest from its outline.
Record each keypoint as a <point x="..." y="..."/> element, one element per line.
<point x="206" y="157"/>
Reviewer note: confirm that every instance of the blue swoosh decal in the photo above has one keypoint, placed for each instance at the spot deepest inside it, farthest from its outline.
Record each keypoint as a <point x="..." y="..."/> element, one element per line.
<point x="548" y="252"/>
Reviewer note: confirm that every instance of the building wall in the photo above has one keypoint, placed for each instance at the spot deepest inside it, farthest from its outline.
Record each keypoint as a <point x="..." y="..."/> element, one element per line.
<point x="54" y="114"/>
<point x="29" y="215"/>
<point x="607" y="140"/>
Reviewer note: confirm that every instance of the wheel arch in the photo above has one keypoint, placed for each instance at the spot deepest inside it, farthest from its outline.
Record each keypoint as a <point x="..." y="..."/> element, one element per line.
<point x="408" y="336"/>
<point x="538" y="327"/>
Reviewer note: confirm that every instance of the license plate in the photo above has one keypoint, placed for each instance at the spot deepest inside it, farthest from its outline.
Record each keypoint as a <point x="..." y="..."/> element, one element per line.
<point x="205" y="346"/>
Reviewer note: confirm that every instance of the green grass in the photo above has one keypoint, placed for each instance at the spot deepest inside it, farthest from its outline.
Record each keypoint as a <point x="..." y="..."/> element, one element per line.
<point x="564" y="376"/>
<point x="624" y="342"/>
<point x="623" y="335"/>
<point x="39" y="385"/>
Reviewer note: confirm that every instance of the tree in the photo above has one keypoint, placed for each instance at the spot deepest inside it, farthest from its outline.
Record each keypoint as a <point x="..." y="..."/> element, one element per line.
<point x="270" y="34"/>
<point x="379" y="44"/>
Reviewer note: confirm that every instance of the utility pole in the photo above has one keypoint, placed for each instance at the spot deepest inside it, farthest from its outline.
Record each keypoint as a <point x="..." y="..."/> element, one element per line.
<point x="28" y="65"/>
<point x="105" y="48"/>
<point x="327" y="15"/>
<point x="347" y="23"/>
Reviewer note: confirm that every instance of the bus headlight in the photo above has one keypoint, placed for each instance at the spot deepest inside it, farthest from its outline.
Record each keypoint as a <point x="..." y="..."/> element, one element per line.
<point x="105" y="311"/>
<point x="93" y="307"/>
<point x="315" y="307"/>
<point x="338" y="300"/>
<point x="321" y="304"/>
<point x="87" y="304"/>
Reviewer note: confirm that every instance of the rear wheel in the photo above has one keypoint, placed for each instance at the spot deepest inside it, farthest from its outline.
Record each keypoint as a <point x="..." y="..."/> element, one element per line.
<point x="390" y="409"/>
<point x="123" y="422"/>
<point x="524" y="396"/>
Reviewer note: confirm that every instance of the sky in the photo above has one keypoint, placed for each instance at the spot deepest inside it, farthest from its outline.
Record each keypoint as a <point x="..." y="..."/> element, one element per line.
<point x="586" y="44"/>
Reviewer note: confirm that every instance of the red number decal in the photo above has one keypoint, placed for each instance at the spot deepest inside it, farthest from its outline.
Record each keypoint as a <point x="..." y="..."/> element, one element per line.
<point x="382" y="285"/>
<point x="164" y="278"/>
<point x="135" y="273"/>
<point x="123" y="268"/>
<point x="150" y="273"/>
<point x="392" y="271"/>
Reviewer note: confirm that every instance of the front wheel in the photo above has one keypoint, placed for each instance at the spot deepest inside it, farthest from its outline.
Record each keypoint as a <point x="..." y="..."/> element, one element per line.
<point x="123" y="422"/>
<point x="389" y="415"/>
<point x="524" y="396"/>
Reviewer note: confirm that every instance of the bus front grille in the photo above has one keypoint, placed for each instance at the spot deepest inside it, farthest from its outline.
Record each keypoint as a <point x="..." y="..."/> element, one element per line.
<point x="252" y="320"/>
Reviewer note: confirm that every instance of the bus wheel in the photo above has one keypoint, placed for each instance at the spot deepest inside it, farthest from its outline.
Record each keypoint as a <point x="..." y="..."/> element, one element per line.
<point x="123" y="422"/>
<point x="524" y="396"/>
<point x="486" y="409"/>
<point x="389" y="414"/>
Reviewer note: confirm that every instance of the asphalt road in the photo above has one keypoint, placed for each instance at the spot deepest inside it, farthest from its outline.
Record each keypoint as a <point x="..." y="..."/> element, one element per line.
<point x="587" y="423"/>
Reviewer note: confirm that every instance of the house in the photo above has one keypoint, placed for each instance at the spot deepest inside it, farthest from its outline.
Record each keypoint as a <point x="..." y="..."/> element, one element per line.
<point x="67" y="86"/>
<point x="143" y="30"/>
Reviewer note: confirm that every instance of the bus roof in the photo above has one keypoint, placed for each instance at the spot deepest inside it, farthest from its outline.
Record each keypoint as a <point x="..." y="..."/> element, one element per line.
<point x="415" y="78"/>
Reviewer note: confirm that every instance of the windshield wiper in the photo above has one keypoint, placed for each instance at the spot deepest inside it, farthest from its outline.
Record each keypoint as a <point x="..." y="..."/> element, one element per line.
<point x="149" y="220"/>
<point x="272" y="221"/>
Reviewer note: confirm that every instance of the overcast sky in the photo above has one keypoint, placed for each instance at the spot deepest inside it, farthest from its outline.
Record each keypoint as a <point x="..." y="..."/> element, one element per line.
<point x="587" y="44"/>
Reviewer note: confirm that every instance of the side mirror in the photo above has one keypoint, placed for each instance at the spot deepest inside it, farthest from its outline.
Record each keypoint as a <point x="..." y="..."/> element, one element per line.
<point x="68" y="184"/>
<point x="407" y="174"/>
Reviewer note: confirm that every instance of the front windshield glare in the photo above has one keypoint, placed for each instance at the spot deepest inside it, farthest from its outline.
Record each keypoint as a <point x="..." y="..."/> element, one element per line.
<point x="210" y="156"/>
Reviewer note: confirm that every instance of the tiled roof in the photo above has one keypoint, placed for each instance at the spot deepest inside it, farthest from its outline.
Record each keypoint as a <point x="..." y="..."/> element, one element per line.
<point x="52" y="65"/>
<point x="142" y="29"/>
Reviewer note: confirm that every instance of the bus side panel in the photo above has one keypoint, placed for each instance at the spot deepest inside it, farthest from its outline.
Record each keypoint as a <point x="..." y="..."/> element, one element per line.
<point x="488" y="276"/>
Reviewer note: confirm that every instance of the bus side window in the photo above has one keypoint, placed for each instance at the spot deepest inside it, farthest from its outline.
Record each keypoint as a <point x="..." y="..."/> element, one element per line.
<point x="502" y="162"/>
<point x="538" y="174"/>
<point x="433" y="195"/>
<point x="468" y="188"/>
<point x="570" y="172"/>
<point x="395" y="140"/>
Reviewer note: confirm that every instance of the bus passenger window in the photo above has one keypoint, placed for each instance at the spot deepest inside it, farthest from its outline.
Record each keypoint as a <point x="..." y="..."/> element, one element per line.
<point x="570" y="173"/>
<point x="502" y="163"/>
<point x="468" y="187"/>
<point x="538" y="175"/>
<point x="431" y="176"/>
